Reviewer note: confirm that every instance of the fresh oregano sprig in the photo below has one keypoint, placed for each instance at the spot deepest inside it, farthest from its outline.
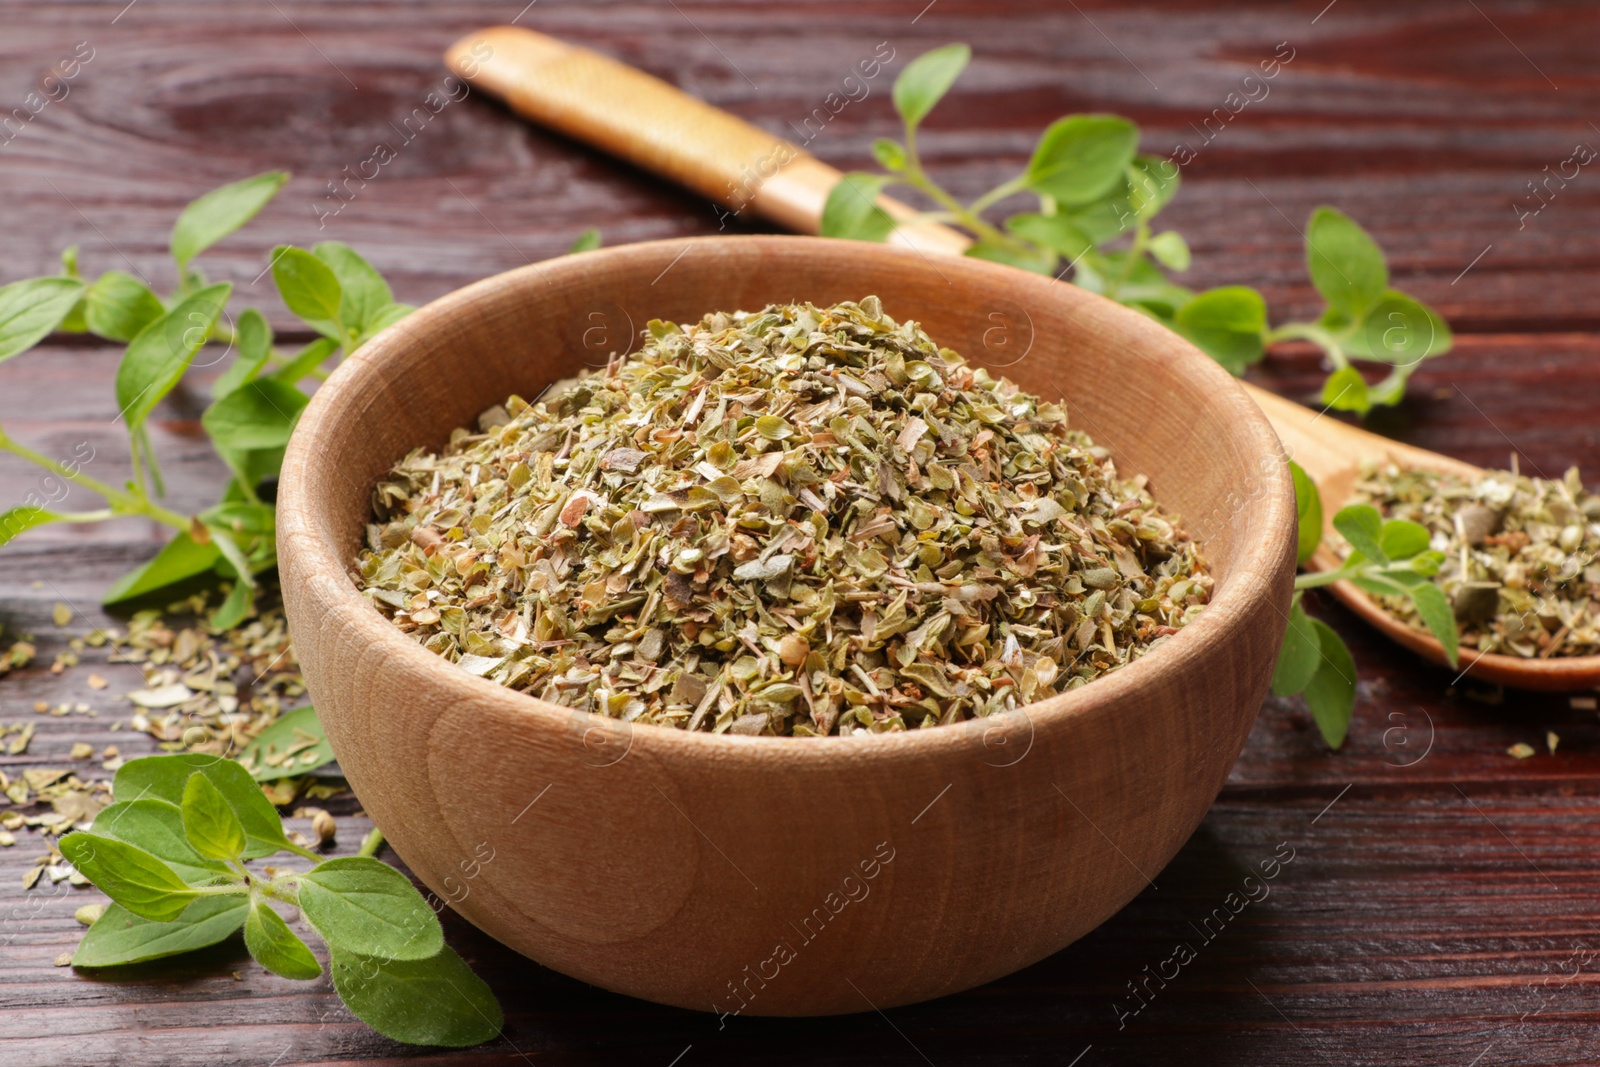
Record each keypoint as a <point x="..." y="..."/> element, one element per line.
<point x="1097" y="199"/>
<point x="255" y="401"/>
<point x="175" y="861"/>
<point x="1390" y="557"/>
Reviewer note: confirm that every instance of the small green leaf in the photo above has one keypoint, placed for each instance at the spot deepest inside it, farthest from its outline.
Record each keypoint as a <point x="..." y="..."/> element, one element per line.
<point x="1346" y="390"/>
<point x="1040" y="261"/>
<point x="1300" y="655"/>
<point x="1346" y="264"/>
<point x="1401" y="331"/>
<point x="1055" y="232"/>
<point x="363" y="292"/>
<point x="259" y="414"/>
<point x="1402" y="538"/>
<point x="1308" y="508"/>
<point x="308" y="359"/>
<point x="1170" y="250"/>
<point x="157" y="827"/>
<point x="891" y="155"/>
<point x="388" y="317"/>
<point x="129" y="875"/>
<point x="275" y="946"/>
<point x="1228" y="324"/>
<point x="1362" y="526"/>
<point x="435" y="1001"/>
<point x="254" y="342"/>
<point x="179" y="560"/>
<point x="240" y="602"/>
<point x="218" y="213"/>
<point x="1331" y="693"/>
<point x="852" y="209"/>
<point x="1433" y="608"/>
<point x="587" y="241"/>
<point x="165" y="777"/>
<point x="926" y="79"/>
<point x="299" y="730"/>
<point x="1081" y="158"/>
<point x="362" y="905"/>
<point x="21" y="519"/>
<point x="209" y="821"/>
<point x="1152" y="183"/>
<point x="158" y="356"/>
<point x="31" y="308"/>
<point x="120" y="937"/>
<point x="118" y="305"/>
<point x="309" y="288"/>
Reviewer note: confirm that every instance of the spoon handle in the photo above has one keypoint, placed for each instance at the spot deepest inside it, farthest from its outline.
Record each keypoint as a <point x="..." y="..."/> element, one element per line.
<point x="595" y="99"/>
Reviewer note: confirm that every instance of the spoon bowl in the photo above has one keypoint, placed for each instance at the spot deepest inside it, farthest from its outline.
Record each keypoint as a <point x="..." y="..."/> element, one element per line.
<point x="770" y="875"/>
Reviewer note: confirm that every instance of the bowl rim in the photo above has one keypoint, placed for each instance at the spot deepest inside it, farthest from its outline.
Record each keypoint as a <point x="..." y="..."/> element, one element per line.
<point x="1207" y="635"/>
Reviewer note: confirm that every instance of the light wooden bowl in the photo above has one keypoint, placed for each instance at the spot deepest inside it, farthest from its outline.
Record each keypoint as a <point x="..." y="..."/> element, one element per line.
<point x="787" y="876"/>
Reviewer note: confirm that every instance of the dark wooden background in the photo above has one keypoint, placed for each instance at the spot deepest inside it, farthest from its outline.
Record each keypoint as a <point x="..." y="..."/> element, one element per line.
<point x="1443" y="905"/>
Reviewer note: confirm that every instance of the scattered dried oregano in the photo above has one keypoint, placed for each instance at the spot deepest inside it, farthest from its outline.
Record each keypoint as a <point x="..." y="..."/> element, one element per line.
<point x="793" y="521"/>
<point x="1520" y="564"/>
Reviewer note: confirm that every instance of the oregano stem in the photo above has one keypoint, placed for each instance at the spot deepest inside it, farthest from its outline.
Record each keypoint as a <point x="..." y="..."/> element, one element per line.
<point x="917" y="178"/>
<point x="371" y="843"/>
<point x="121" y="502"/>
<point x="1141" y="238"/>
<point x="1310" y="331"/>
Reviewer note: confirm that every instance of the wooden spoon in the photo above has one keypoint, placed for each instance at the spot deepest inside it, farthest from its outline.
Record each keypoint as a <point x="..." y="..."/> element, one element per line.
<point x="595" y="99"/>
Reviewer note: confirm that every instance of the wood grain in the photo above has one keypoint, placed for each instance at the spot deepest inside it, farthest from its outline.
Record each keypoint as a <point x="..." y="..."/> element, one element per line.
<point x="1409" y="929"/>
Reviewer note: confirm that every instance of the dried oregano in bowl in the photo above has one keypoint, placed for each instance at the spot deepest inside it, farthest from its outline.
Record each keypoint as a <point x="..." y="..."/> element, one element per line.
<point x="795" y="521"/>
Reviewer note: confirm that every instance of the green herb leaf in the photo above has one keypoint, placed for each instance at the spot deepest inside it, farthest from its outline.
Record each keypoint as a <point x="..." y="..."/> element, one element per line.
<point x="1362" y="526"/>
<point x="364" y="293"/>
<point x="1170" y="250"/>
<point x="1400" y="330"/>
<point x="1082" y="158"/>
<point x="1055" y="232"/>
<point x="179" y="560"/>
<point x="118" y="305"/>
<point x="1300" y="655"/>
<point x="926" y="79"/>
<point x="309" y="288"/>
<point x="1346" y="390"/>
<point x="1037" y="260"/>
<point x="1308" y="508"/>
<point x="435" y="1001"/>
<point x="1150" y="186"/>
<point x="129" y="875"/>
<point x="165" y="777"/>
<point x="157" y="827"/>
<point x="1331" y="693"/>
<point x="158" y="356"/>
<point x="209" y="821"/>
<point x="587" y="241"/>
<point x="26" y="517"/>
<point x="1346" y="264"/>
<point x="218" y="213"/>
<point x="254" y="342"/>
<point x="1433" y="608"/>
<point x="121" y="937"/>
<point x="1402" y="538"/>
<point x="362" y="905"/>
<point x="852" y="209"/>
<point x="309" y="358"/>
<point x="1228" y="324"/>
<point x="276" y="947"/>
<point x="259" y="414"/>
<point x="298" y="731"/>
<point x="891" y="155"/>
<point x="240" y="602"/>
<point x="31" y="308"/>
<point x="388" y="317"/>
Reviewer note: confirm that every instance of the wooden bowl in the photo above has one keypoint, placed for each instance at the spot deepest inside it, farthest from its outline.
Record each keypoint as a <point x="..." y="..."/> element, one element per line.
<point x="781" y="876"/>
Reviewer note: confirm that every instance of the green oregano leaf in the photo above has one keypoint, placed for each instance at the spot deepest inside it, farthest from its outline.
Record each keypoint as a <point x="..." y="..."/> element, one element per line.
<point x="278" y="948"/>
<point x="362" y="905"/>
<point x="1346" y="264"/>
<point x="1434" y="609"/>
<point x="309" y="288"/>
<point x="121" y="937"/>
<point x="926" y="79"/>
<point x="165" y="777"/>
<point x="31" y="308"/>
<point x="1331" y="693"/>
<point x="118" y="305"/>
<point x="1228" y="324"/>
<point x="1346" y="390"/>
<point x="1170" y="250"/>
<point x="1055" y="232"/>
<point x="209" y="821"/>
<point x="363" y="292"/>
<point x="179" y="560"/>
<point x="129" y="875"/>
<point x="21" y="519"/>
<point x="218" y="213"/>
<point x="293" y="744"/>
<point x="253" y="339"/>
<point x="852" y="209"/>
<point x="1081" y="158"/>
<point x="433" y="1001"/>
<point x="1308" y="509"/>
<point x="1040" y="261"/>
<point x="587" y="241"/>
<point x="1362" y="526"/>
<point x="157" y="827"/>
<point x="1402" y="538"/>
<point x="1399" y="330"/>
<point x="1300" y="655"/>
<point x="158" y="356"/>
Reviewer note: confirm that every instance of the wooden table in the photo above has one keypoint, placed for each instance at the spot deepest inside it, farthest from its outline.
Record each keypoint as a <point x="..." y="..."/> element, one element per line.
<point x="1441" y="906"/>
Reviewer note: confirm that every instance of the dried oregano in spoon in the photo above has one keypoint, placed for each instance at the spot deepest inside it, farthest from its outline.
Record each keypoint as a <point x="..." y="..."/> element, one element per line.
<point x="1519" y="563"/>
<point x="795" y="521"/>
